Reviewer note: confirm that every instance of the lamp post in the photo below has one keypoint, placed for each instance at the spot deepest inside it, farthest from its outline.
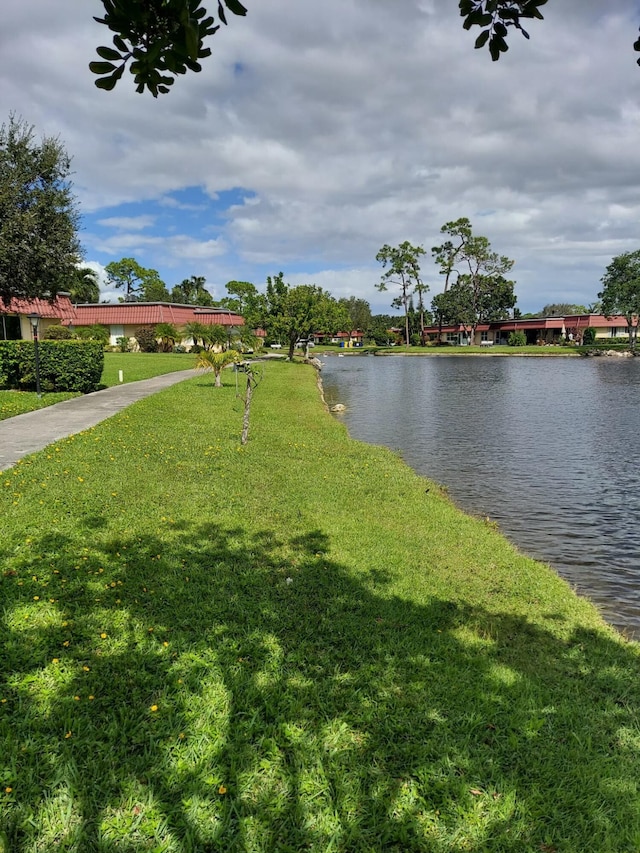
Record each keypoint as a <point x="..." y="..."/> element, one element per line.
<point x="34" y="320"/>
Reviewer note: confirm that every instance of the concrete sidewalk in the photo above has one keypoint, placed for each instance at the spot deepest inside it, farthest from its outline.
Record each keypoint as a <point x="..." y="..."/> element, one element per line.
<point x="32" y="431"/>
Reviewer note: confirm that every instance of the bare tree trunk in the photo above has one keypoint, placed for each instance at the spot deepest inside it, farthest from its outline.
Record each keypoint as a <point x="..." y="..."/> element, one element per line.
<point x="247" y="410"/>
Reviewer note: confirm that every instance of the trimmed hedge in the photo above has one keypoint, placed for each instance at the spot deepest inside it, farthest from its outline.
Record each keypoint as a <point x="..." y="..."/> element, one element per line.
<point x="64" y="365"/>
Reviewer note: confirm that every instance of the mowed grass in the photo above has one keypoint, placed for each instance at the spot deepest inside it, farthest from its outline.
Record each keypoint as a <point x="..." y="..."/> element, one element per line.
<point x="295" y="645"/>
<point x="14" y="403"/>
<point x="143" y="365"/>
<point x="134" y="366"/>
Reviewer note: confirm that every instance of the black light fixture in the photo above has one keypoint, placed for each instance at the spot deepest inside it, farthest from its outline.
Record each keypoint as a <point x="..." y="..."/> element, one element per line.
<point x="34" y="319"/>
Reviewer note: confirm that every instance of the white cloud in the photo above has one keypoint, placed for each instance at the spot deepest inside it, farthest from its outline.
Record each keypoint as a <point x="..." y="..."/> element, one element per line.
<point x="128" y="223"/>
<point x="370" y="123"/>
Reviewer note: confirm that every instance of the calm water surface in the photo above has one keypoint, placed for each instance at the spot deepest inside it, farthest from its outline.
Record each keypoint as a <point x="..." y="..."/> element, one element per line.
<point x="548" y="448"/>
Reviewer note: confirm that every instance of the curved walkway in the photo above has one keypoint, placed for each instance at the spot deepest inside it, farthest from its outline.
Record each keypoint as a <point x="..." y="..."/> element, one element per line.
<point x="24" y="434"/>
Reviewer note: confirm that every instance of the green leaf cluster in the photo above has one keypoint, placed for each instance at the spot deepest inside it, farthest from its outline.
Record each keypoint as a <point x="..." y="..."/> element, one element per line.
<point x="160" y="38"/>
<point x="495" y="16"/>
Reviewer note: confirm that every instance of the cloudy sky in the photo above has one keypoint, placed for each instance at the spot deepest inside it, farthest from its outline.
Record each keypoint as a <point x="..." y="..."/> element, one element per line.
<point x="316" y="133"/>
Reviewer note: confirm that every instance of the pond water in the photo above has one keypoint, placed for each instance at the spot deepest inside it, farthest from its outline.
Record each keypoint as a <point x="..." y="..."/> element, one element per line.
<point x="546" y="447"/>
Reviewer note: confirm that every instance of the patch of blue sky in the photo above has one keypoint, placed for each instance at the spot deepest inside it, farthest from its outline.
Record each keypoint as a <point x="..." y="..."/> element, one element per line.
<point x="163" y="233"/>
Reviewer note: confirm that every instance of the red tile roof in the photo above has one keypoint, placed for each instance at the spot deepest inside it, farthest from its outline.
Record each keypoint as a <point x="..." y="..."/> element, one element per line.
<point x="152" y="313"/>
<point x="60" y="308"/>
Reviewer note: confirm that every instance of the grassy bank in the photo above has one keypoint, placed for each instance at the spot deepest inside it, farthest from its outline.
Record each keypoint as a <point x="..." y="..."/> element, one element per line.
<point x="296" y="645"/>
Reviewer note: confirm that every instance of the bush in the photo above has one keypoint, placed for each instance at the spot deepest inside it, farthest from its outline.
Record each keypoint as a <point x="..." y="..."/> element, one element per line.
<point x="123" y="343"/>
<point x="517" y="339"/>
<point x="589" y="336"/>
<point x="94" y="333"/>
<point x="57" y="333"/>
<point x="146" y="338"/>
<point x="64" y="365"/>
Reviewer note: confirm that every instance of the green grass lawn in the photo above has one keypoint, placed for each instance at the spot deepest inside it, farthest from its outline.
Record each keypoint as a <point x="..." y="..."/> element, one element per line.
<point x="134" y="366"/>
<point x="143" y="365"/>
<point x="18" y="402"/>
<point x="295" y="645"/>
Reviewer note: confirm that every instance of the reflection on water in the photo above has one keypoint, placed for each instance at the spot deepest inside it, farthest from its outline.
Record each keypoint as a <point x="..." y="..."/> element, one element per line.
<point x="546" y="447"/>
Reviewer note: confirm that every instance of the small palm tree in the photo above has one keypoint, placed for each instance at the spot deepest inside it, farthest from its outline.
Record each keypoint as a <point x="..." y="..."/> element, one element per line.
<point x="216" y="361"/>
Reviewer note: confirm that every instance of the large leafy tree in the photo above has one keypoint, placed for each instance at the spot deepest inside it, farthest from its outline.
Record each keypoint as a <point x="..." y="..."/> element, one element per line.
<point x="139" y="283"/>
<point x="621" y="292"/>
<point x="161" y="39"/>
<point x="39" y="247"/>
<point x="402" y="269"/>
<point x="294" y="313"/>
<point x="480" y="292"/>
<point x="359" y="312"/>
<point x="245" y="300"/>
<point x="192" y="291"/>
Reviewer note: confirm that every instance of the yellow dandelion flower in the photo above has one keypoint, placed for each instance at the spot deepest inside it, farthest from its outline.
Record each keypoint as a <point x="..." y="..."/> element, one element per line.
<point x="86" y="668"/>
<point x="103" y="636"/>
<point x="68" y="735"/>
<point x="153" y="708"/>
<point x="76" y="698"/>
<point x="66" y="643"/>
<point x="36" y="598"/>
<point x="8" y="789"/>
<point x="222" y="790"/>
<point x="91" y="698"/>
<point x="56" y="660"/>
<point x="81" y="479"/>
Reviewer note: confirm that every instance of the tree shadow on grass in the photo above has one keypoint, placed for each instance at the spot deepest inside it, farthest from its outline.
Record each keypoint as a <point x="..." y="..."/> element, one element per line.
<point x="213" y="690"/>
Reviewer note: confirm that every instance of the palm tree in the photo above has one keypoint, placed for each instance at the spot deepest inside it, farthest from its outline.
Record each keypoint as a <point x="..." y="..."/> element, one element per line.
<point x="168" y="334"/>
<point x="198" y="331"/>
<point x="245" y="339"/>
<point x="84" y="286"/>
<point x="216" y="361"/>
<point x="215" y="335"/>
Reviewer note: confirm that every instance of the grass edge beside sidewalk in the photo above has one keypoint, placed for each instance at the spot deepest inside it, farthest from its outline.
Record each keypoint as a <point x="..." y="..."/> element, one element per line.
<point x="291" y="645"/>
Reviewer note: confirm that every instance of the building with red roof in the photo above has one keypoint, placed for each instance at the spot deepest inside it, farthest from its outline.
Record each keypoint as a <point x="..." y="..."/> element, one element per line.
<point x="123" y="319"/>
<point x="14" y="315"/>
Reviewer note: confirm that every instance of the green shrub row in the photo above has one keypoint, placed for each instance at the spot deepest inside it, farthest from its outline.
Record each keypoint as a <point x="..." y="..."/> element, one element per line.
<point x="64" y="365"/>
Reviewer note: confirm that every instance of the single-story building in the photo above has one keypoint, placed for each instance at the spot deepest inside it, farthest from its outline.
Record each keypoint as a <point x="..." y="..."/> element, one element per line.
<point x="538" y="330"/>
<point x="123" y="319"/>
<point x="14" y="316"/>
